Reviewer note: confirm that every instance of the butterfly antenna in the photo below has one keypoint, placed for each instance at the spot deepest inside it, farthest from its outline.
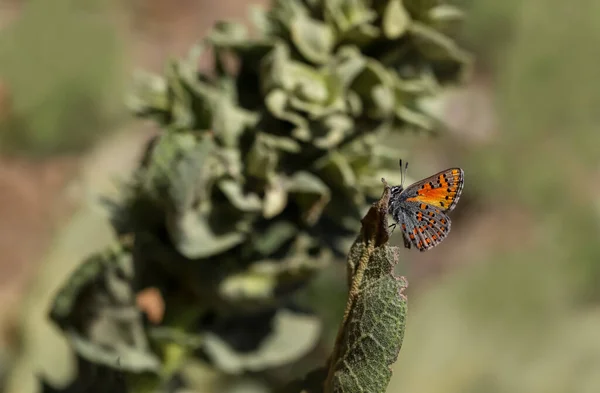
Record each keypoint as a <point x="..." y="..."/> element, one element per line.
<point x="401" y="173"/>
<point x="403" y="169"/>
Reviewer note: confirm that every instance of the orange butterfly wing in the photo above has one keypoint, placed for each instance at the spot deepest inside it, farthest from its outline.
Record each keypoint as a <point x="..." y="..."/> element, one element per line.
<point x="441" y="190"/>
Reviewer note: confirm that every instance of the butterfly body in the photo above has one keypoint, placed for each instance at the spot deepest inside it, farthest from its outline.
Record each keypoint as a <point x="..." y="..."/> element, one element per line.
<point x="421" y="208"/>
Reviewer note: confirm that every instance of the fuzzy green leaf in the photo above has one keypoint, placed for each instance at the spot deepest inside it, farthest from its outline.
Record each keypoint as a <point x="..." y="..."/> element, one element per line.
<point x="416" y="118"/>
<point x="180" y="97"/>
<point x="372" y="330"/>
<point x="374" y="87"/>
<point x="446" y="18"/>
<point x="229" y="120"/>
<point x="353" y="20"/>
<point x="96" y="309"/>
<point x="277" y="101"/>
<point x="276" y="197"/>
<point x="314" y="39"/>
<point x="349" y="63"/>
<point x="336" y="128"/>
<point x="176" y="163"/>
<point x="194" y="237"/>
<point x="249" y="202"/>
<point x="336" y="171"/>
<point x="262" y="159"/>
<point x="395" y="20"/>
<point x="295" y="89"/>
<point x="310" y="193"/>
<point x="293" y="335"/>
<point x="270" y="240"/>
<point x="148" y="94"/>
<point x="262" y="280"/>
<point x="226" y="33"/>
<point x="437" y="46"/>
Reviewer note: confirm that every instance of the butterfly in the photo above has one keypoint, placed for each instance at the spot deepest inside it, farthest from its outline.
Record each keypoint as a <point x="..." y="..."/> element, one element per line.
<point x="420" y="209"/>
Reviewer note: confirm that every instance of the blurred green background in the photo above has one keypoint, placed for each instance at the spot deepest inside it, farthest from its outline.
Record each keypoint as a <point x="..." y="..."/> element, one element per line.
<point x="509" y="303"/>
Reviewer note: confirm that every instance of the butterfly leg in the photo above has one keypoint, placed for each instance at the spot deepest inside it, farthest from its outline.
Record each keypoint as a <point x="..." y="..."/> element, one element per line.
<point x="393" y="226"/>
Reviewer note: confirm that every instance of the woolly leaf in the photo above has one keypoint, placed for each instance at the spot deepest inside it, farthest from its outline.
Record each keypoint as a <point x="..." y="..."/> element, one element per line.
<point x="314" y="39"/>
<point x="372" y="330"/>
<point x="97" y="310"/>
<point x="310" y="193"/>
<point x="291" y="335"/>
<point x="395" y="20"/>
<point x="194" y="237"/>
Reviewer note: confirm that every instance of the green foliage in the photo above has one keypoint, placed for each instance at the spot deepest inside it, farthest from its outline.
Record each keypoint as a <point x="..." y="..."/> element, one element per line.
<point x="114" y="329"/>
<point x="59" y="68"/>
<point x="259" y="178"/>
<point x="372" y="330"/>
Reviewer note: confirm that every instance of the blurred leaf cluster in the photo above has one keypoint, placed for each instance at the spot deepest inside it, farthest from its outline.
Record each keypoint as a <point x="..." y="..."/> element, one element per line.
<point x="59" y="71"/>
<point x="259" y="177"/>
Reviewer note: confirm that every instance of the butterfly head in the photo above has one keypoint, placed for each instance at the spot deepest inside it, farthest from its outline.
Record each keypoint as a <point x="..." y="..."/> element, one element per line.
<point x="395" y="191"/>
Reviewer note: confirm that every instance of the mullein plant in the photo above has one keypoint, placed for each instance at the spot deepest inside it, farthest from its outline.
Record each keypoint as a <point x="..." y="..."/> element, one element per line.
<point x="259" y="178"/>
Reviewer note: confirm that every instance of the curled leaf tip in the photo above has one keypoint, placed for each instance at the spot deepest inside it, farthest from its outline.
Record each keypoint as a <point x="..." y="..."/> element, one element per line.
<point x="403" y="282"/>
<point x="375" y="222"/>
